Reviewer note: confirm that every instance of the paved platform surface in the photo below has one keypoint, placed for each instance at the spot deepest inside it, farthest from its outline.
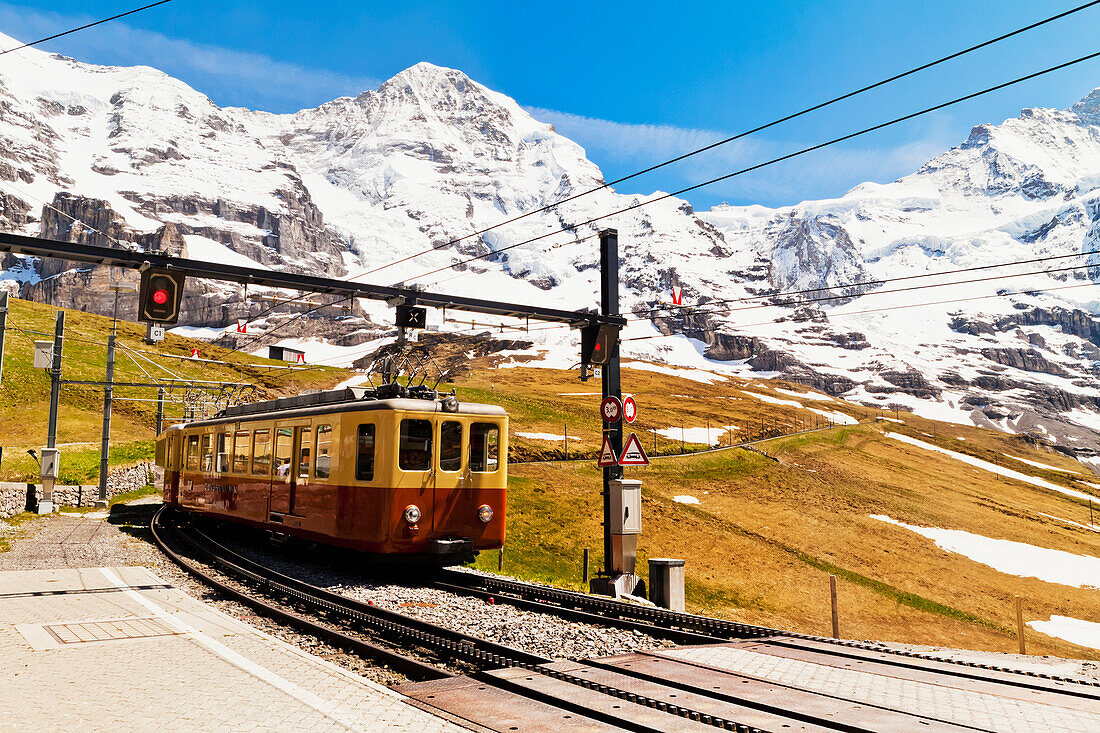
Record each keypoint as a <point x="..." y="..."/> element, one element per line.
<point x="118" y="649"/>
<point x="950" y="701"/>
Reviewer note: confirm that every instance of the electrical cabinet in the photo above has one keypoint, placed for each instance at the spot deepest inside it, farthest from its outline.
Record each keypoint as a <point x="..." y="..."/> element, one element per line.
<point x="626" y="506"/>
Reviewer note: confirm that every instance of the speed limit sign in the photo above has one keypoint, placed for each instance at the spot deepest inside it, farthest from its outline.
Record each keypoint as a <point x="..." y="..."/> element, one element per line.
<point x="611" y="410"/>
<point x="630" y="409"/>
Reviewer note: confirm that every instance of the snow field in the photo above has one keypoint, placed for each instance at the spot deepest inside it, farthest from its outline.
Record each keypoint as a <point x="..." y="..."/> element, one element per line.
<point x="992" y="468"/>
<point x="1013" y="558"/>
<point x="1073" y="630"/>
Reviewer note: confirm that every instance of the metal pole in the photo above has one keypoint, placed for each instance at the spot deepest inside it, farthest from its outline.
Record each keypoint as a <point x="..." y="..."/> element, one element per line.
<point x="566" y="441"/>
<point x="609" y="305"/>
<point x="55" y="380"/>
<point x="108" y="396"/>
<point x="836" y="616"/>
<point x="160" y="410"/>
<point x="3" y="329"/>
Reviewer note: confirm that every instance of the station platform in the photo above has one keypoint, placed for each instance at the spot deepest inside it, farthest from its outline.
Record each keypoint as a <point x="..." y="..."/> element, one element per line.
<point x="119" y="649"/>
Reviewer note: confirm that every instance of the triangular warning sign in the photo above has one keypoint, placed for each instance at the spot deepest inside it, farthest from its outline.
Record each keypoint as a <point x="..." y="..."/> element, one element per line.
<point x="301" y="359"/>
<point x="194" y="353"/>
<point x="242" y="325"/>
<point x="633" y="453"/>
<point x="607" y="454"/>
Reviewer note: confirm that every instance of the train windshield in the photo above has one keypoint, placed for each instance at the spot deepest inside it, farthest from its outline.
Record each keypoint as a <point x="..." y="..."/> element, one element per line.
<point x="415" y="452"/>
<point x="450" y="446"/>
<point x="484" y="447"/>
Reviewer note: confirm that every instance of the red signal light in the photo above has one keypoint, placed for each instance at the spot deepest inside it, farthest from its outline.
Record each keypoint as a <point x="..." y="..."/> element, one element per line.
<point x="160" y="297"/>
<point x="598" y="346"/>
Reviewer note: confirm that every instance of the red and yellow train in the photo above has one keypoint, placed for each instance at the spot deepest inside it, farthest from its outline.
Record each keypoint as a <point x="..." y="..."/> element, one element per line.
<point x="423" y="478"/>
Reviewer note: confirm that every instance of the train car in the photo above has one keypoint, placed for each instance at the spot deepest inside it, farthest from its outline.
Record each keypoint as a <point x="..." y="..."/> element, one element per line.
<point x="423" y="479"/>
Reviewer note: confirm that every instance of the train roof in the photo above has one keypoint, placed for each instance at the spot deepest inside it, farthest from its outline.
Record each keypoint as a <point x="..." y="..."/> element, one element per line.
<point x="349" y="399"/>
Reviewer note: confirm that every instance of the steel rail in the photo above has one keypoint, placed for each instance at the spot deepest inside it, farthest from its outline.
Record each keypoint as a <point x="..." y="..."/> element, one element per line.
<point x="138" y="260"/>
<point x="480" y="653"/>
<point x="649" y="619"/>
<point x="406" y="665"/>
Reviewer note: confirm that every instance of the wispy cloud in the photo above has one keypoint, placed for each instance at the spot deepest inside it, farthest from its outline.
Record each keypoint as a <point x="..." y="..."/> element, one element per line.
<point x="227" y="76"/>
<point x="618" y="146"/>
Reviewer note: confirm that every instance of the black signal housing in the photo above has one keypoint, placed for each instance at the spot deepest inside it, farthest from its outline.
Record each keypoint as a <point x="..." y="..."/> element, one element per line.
<point x="598" y="342"/>
<point x="409" y="316"/>
<point x="160" y="295"/>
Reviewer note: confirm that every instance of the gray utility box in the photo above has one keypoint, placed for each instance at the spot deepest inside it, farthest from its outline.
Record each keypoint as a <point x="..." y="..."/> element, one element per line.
<point x="626" y="506"/>
<point x="51" y="463"/>
<point x="43" y="354"/>
<point x="666" y="582"/>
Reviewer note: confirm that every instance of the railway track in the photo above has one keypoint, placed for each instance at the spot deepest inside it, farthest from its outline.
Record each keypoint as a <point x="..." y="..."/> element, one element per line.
<point x="510" y="689"/>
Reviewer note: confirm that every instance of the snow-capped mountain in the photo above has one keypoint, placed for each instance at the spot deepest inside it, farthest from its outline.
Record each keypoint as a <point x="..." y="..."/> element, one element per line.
<point x="91" y="153"/>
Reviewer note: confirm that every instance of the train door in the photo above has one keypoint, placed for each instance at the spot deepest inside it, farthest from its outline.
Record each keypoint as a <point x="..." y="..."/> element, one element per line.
<point x="450" y="474"/>
<point x="290" y="454"/>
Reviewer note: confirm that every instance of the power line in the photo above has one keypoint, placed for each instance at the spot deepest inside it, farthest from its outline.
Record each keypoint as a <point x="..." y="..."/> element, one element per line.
<point x="746" y="133"/>
<point x="719" y="143"/>
<point x="1039" y="291"/>
<point x="795" y="154"/>
<point x="90" y="25"/>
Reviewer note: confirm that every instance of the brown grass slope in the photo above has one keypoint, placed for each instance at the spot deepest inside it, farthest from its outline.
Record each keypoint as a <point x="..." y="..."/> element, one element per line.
<point x="767" y="533"/>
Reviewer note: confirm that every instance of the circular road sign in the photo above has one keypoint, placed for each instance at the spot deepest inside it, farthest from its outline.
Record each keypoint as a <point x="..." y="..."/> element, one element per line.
<point x="630" y="409"/>
<point x="611" y="410"/>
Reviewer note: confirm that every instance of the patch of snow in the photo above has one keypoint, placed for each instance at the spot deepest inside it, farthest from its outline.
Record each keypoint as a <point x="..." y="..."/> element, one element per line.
<point x="806" y="395"/>
<point x="695" y="375"/>
<point x="546" y="436"/>
<point x="207" y="250"/>
<point x="772" y="400"/>
<point x="1073" y="630"/>
<point x="1040" y="465"/>
<point x="837" y="417"/>
<point x="992" y="468"/>
<point x="201" y="332"/>
<point x="1013" y="558"/>
<point x="685" y="499"/>
<point x="702" y="435"/>
<point x="1092" y="527"/>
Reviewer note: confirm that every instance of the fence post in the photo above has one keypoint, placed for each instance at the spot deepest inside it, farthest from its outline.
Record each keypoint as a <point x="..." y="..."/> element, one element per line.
<point x="586" y="567"/>
<point x="1020" y="623"/>
<point x="836" y="616"/>
<point x="500" y="560"/>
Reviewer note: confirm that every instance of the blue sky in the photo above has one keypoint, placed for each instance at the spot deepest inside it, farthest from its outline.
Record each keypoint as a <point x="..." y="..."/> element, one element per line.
<point x="633" y="83"/>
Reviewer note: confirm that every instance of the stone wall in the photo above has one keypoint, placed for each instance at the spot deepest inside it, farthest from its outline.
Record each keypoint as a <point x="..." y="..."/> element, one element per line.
<point x="13" y="496"/>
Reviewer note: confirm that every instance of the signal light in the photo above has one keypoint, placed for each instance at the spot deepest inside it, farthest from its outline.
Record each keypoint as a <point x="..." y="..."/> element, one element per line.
<point x="598" y="343"/>
<point x="160" y="295"/>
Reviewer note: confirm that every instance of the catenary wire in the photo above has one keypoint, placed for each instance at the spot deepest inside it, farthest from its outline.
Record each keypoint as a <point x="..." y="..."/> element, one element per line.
<point x="730" y="139"/>
<point x="90" y="25"/>
<point x="746" y="133"/>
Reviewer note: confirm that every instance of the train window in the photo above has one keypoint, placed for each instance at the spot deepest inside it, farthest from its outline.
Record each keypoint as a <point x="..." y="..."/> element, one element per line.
<point x="207" y="453"/>
<point x="484" y="447"/>
<point x="322" y="457"/>
<point x="304" y="449"/>
<point x="261" y="452"/>
<point x="450" y="446"/>
<point x="240" y="451"/>
<point x="221" y="460"/>
<point x="192" y="453"/>
<point x="284" y="450"/>
<point x="364" y="458"/>
<point x="415" y="452"/>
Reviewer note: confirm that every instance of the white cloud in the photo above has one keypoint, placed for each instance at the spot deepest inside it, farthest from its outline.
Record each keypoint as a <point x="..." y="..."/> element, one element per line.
<point x="821" y="174"/>
<point x="227" y="76"/>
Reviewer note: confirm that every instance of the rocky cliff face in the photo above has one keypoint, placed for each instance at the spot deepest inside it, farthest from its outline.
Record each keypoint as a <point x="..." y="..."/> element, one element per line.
<point x="132" y="157"/>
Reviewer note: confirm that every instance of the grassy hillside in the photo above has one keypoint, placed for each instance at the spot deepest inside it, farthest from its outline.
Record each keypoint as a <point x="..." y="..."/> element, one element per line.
<point x="769" y="530"/>
<point x="25" y="391"/>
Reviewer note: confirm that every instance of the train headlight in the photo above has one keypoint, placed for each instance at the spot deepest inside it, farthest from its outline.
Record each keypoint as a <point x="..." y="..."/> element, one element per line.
<point x="485" y="513"/>
<point x="412" y="514"/>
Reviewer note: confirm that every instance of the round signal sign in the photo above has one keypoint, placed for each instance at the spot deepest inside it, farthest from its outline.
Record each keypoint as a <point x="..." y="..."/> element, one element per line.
<point x="160" y="297"/>
<point x="630" y="409"/>
<point x="611" y="410"/>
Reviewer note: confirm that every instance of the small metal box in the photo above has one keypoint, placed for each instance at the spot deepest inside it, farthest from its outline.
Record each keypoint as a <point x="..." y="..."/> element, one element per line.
<point x="43" y="354"/>
<point x="626" y="506"/>
<point x="51" y="462"/>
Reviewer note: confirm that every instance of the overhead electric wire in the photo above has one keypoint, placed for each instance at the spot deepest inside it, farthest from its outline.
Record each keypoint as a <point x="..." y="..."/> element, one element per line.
<point x="794" y="319"/>
<point x="90" y="25"/>
<point x="727" y="140"/>
<point x="752" y="131"/>
<point x="789" y="156"/>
